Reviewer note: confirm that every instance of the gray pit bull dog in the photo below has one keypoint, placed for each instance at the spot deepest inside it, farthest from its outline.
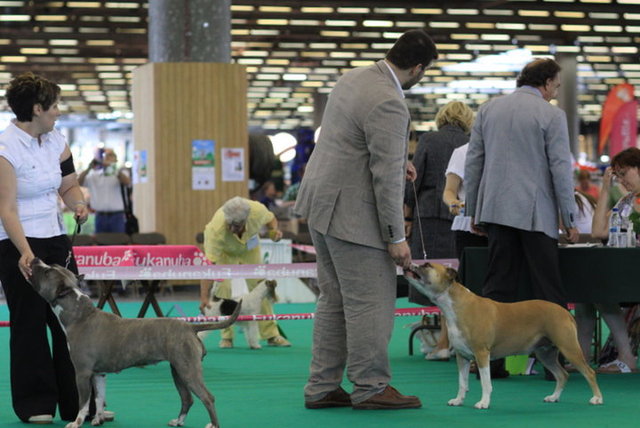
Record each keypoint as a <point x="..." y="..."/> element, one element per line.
<point x="482" y="329"/>
<point x="100" y="342"/>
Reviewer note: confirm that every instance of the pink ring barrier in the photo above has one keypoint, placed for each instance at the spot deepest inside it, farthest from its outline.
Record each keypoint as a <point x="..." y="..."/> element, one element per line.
<point x="404" y="312"/>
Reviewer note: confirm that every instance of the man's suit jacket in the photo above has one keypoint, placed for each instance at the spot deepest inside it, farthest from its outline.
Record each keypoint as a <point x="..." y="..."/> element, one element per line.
<point x="431" y="159"/>
<point x="518" y="171"/>
<point x="353" y="185"/>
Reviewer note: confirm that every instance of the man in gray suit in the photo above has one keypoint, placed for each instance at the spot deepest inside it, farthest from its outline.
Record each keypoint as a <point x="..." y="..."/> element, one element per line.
<point x="352" y="195"/>
<point x="518" y="180"/>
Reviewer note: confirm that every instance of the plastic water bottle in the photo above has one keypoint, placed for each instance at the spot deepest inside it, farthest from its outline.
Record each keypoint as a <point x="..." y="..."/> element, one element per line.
<point x="615" y="229"/>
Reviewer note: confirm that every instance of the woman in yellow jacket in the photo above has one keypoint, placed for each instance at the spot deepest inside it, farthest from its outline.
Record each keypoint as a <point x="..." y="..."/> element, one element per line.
<point x="231" y="237"/>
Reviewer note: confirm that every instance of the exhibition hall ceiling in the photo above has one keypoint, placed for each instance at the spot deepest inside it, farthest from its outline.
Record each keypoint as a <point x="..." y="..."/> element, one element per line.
<point x="295" y="50"/>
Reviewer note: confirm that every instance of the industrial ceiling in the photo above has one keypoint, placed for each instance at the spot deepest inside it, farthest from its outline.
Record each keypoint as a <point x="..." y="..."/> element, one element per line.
<point x="294" y="50"/>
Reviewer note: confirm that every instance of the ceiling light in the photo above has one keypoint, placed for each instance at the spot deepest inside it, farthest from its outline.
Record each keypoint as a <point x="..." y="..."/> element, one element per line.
<point x="512" y="60"/>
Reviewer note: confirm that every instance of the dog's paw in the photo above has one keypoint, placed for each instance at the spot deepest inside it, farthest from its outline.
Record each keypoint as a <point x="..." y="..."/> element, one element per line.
<point x="482" y="404"/>
<point x="97" y="420"/>
<point x="596" y="400"/>
<point x="210" y="425"/>
<point x="456" y="402"/>
<point x="73" y="425"/>
<point x="256" y="346"/>
<point x="553" y="398"/>
<point x="176" y="423"/>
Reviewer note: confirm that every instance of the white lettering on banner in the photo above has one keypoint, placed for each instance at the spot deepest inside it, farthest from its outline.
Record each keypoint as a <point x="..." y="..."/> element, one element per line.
<point x="288" y="270"/>
<point x="106" y="259"/>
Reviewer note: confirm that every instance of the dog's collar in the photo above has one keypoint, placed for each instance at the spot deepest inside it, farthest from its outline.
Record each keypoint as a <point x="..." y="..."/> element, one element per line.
<point x="62" y="294"/>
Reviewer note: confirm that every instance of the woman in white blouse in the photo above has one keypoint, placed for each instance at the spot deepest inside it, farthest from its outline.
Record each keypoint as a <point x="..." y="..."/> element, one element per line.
<point x="36" y="168"/>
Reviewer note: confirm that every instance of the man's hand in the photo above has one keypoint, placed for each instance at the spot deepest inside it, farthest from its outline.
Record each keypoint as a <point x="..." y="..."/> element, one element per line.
<point x="401" y="254"/>
<point x="572" y="234"/>
<point x="412" y="174"/>
<point x="476" y="229"/>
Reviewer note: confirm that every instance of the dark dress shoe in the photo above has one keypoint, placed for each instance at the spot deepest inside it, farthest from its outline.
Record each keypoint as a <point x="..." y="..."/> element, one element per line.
<point x="389" y="399"/>
<point x="497" y="368"/>
<point x="336" y="398"/>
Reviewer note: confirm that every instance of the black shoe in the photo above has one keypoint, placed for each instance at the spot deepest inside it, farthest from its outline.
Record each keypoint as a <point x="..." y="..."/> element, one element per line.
<point x="498" y="370"/>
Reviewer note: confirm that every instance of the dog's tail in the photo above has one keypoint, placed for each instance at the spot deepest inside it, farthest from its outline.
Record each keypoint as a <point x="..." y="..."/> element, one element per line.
<point x="218" y="325"/>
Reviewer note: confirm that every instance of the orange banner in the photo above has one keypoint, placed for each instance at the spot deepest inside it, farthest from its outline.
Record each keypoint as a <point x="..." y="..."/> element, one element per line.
<point x="618" y="96"/>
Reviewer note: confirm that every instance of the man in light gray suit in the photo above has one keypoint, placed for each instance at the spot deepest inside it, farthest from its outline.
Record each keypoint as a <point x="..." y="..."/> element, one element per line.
<point x="518" y="178"/>
<point x="352" y="195"/>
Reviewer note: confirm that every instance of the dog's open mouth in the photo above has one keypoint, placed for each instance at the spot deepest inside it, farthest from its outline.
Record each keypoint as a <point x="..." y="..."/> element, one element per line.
<point x="411" y="272"/>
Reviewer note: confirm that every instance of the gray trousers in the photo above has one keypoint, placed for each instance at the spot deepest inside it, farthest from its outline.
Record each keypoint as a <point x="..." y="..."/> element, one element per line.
<point x="354" y="318"/>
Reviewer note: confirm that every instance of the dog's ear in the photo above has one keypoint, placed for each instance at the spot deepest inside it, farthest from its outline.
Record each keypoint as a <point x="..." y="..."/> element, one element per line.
<point x="80" y="277"/>
<point x="452" y="275"/>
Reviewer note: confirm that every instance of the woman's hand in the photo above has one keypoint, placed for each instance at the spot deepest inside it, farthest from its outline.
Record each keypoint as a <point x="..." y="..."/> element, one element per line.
<point x="275" y="235"/>
<point x="607" y="178"/>
<point x="81" y="212"/>
<point x="412" y="174"/>
<point x="24" y="264"/>
<point x="455" y="206"/>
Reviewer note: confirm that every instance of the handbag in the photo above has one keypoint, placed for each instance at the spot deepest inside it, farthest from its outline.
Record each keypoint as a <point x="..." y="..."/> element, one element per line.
<point x="131" y="225"/>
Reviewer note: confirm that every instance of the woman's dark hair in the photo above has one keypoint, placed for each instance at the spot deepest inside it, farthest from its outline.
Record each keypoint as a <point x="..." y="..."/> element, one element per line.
<point x="537" y="72"/>
<point x="27" y="90"/>
<point x="627" y="158"/>
<point x="412" y="48"/>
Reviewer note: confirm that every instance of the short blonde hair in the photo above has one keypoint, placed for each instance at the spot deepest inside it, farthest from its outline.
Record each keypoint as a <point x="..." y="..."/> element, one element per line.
<point x="455" y="113"/>
<point x="236" y="210"/>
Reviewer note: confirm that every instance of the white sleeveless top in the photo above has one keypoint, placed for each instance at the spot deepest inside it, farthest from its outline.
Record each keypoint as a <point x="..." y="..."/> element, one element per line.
<point x="38" y="177"/>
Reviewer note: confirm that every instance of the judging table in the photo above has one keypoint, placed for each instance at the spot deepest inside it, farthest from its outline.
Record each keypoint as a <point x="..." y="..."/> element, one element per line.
<point x="108" y="260"/>
<point x="589" y="274"/>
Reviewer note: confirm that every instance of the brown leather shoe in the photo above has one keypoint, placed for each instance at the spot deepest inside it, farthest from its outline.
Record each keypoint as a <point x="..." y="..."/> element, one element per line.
<point x="336" y="398"/>
<point x="389" y="399"/>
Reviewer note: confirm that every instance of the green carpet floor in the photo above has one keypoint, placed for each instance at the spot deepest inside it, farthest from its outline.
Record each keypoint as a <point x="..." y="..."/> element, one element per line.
<point x="264" y="389"/>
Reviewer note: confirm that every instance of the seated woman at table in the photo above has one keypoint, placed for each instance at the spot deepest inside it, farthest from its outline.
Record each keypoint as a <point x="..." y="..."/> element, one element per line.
<point x="231" y="237"/>
<point x="626" y="167"/>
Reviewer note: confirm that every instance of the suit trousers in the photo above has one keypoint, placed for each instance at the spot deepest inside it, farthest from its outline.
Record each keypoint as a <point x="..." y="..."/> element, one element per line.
<point x="354" y="318"/>
<point x="514" y="252"/>
<point x="41" y="377"/>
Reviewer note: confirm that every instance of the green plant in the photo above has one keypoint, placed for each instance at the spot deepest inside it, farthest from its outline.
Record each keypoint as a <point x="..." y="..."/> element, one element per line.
<point x="634" y="217"/>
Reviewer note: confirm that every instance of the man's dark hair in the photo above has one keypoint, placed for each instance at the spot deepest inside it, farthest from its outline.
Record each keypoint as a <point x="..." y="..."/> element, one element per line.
<point x="537" y="72"/>
<point x="412" y="48"/>
<point x="627" y="158"/>
<point x="27" y="90"/>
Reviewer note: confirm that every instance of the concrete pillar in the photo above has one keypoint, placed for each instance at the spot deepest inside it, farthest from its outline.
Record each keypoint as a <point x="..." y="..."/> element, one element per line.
<point x="568" y="96"/>
<point x="190" y="31"/>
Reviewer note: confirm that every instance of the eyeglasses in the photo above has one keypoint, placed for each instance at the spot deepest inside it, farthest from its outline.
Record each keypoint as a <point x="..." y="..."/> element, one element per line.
<point x="620" y="173"/>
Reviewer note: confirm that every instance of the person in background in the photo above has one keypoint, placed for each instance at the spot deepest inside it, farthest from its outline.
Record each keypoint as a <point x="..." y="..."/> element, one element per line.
<point x="432" y="155"/>
<point x="625" y="166"/>
<point x="231" y="238"/>
<point x="585" y="184"/>
<point x="518" y="177"/>
<point x="351" y="196"/>
<point x="267" y="195"/>
<point x="104" y="180"/>
<point x="36" y="167"/>
<point x="454" y="197"/>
